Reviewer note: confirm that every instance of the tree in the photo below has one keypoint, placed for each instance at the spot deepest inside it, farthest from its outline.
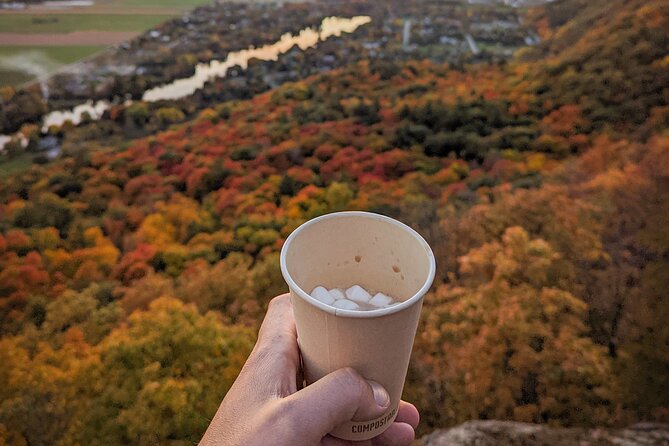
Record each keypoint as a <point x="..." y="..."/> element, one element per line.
<point x="137" y="114"/>
<point x="40" y="396"/>
<point x="80" y="310"/>
<point x="47" y="210"/>
<point x="226" y="286"/>
<point x="166" y="116"/>
<point x="24" y="105"/>
<point x="507" y="344"/>
<point x="161" y="377"/>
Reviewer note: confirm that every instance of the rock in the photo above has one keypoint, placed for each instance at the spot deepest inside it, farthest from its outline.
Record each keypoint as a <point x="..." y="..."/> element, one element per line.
<point x="508" y="433"/>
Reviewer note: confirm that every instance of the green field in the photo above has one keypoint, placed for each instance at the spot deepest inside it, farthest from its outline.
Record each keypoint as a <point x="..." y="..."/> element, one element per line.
<point x="181" y="4"/>
<point x="65" y="23"/>
<point x="15" y="165"/>
<point x="13" y="77"/>
<point x="59" y="54"/>
<point x="19" y="64"/>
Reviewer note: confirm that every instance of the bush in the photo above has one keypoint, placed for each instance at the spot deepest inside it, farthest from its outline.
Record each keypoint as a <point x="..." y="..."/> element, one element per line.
<point x="168" y="115"/>
<point x="409" y="134"/>
<point x="44" y="212"/>
<point x="246" y="153"/>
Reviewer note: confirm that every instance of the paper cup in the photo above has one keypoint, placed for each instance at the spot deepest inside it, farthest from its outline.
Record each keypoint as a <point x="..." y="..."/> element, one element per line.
<point x="381" y="255"/>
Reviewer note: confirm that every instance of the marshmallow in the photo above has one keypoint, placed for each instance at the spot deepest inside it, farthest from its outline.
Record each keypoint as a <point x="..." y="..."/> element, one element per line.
<point x="358" y="294"/>
<point x="381" y="300"/>
<point x="321" y="294"/>
<point x="337" y="294"/>
<point x="345" y="304"/>
<point x="354" y="298"/>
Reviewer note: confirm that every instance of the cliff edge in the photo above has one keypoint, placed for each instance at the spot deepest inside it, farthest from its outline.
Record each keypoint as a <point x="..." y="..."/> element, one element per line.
<point x="507" y="433"/>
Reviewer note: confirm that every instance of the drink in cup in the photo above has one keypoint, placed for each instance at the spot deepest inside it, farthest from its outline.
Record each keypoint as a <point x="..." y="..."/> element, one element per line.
<point x="382" y="268"/>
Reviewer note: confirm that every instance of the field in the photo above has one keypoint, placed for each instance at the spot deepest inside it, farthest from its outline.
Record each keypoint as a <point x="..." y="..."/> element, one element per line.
<point x="65" y="23"/>
<point x="36" y="42"/>
<point x="13" y="77"/>
<point x="181" y="4"/>
<point x="15" y="165"/>
<point x="21" y="63"/>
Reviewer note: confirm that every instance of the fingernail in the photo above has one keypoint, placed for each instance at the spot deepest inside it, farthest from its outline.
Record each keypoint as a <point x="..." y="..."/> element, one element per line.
<point x="380" y="394"/>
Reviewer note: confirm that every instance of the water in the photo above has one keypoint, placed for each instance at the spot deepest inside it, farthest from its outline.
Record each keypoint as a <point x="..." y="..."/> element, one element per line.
<point x="306" y="38"/>
<point x="58" y="118"/>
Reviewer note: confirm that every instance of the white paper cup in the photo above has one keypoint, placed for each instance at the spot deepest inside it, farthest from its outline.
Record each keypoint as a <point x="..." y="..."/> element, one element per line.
<point x="381" y="255"/>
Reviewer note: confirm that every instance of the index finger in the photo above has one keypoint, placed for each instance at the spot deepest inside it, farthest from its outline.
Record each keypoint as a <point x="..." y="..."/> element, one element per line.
<point x="278" y="326"/>
<point x="274" y="362"/>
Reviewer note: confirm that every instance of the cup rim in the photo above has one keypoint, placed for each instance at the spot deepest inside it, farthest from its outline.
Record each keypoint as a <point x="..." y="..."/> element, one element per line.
<point x="356" y="313"/>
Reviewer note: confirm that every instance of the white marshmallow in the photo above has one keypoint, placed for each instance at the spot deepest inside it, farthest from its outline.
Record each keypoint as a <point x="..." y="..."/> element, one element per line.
<point x="358" y="294"/>
<point x="381" y="300"/>
<point x="337" y="294"/>
<point x="345" y="304"/>
<point x="321" y="294"/>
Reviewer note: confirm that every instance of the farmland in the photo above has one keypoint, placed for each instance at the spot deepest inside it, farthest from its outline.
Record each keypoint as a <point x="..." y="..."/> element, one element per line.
<point x="37" y="41"/>
<point x="66" y="23"/>
<point x="20" y="63"/>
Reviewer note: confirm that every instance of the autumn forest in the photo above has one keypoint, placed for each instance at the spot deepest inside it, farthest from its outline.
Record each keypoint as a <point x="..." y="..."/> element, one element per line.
<point x="135" y="270"/>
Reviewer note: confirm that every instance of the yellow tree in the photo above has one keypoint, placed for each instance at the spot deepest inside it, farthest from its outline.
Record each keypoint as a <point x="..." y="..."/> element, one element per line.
<point x="508" y="344"/>
<point x="160" y="377"/>
<point x="39" y="394"/>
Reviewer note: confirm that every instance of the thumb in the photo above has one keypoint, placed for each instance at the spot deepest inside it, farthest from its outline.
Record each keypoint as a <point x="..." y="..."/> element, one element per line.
<point x="341" y="396"/>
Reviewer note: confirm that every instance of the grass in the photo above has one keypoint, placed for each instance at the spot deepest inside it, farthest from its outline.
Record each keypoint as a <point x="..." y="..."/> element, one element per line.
<point x="65" y="23"/>
<point x="37" y="61"/>
<point x="11" y="77"/>
<point x="62" y="54"/>
<point x="15" y="165"/>
<point x="21" y="63"/>
<point x="181" y="4"/>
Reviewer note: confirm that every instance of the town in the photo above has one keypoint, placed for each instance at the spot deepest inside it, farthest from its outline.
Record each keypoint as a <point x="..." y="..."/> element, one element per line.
<point x="456" y="32"/>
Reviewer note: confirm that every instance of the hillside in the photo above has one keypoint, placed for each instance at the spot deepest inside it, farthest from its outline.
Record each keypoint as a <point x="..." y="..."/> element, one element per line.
<point x="134" y="272"/>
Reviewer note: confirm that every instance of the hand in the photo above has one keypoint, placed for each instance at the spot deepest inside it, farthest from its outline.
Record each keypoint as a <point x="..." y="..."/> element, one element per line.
<point x="265" y="405"/>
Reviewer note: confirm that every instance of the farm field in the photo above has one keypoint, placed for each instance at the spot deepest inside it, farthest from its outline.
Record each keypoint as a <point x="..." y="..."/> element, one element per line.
<point x="16" y="165"/>
<point x="66" y="23"/>
<point x="20" y="64"/>
<point x="180" y="4"/>
<point x="38" y="41"/>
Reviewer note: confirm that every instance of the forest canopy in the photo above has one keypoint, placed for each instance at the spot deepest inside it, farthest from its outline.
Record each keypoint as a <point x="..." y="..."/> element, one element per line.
<point x="134" y="276"/>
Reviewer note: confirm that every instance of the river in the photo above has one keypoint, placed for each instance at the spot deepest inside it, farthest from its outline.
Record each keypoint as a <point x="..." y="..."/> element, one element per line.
<point x="306" y="38"/>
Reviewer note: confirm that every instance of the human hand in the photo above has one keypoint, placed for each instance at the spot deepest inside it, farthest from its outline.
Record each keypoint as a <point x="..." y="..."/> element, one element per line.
<point x="266" y="405"/>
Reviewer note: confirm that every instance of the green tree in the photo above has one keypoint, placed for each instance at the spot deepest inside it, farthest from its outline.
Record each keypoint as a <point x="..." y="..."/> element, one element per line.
<point x="137" y="114"/>
<point x="166" y="116"/>
<point x="80" y="310"/>
<point x="47" y="210"/>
